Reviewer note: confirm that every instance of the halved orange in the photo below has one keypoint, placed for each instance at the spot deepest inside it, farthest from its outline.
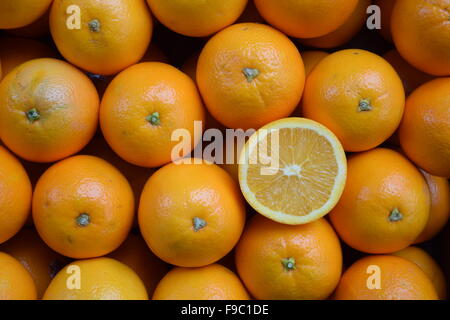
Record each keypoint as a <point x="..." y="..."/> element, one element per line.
<point x="307" y="180"/>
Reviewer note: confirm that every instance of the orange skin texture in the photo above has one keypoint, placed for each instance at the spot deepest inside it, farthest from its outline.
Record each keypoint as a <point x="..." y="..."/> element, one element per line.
<point x="16" y="14"/>
<point x="40" y="261"/>
<point x="121" y="40"/>
<point x="101" y="279"/>
<point x="213" y="282"/>
<point x="177" y="194"/>
<point x="307" y="18"/>
<point x="139" y="92"/>
<point x="238" y="101"/>
<point x="83" y="185"/>
<point x="15" y="51"/>
<point x="314" y="246"/>
<point x="428" y="265"/>
<point x="135" y="254"/>
<point x="17" y="283"/>
<point x="400" y="280"/>
<point x="378" y="182"/>
<point x="411" y="77"/>
<point x="440" y="206"/>
<point x="386" y="7"/>
<point x="67" y="103"/>
<point x="38" y="29"/>
<point x="425" y="129"/>
<point x="15" y="195"/>
<point x="345" y="32"/>
<point x="421" y="33"/>
<point x="197" y="18"/>
<point x="337" y="87"/>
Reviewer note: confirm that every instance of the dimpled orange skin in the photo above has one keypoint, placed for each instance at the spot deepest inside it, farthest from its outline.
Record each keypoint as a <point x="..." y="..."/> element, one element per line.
<point x="306" y="18"/>
<point x="400" y="280"/>
<point x="19" y="13"/>
<point x="440" y="206"/>
<point x="385" y="204"/>
<point x="191" y="215"/>
<point x="345" y="32"/>
<point x="357" y="95"/>
<point x="114" y="34"/>
<point x="15" y="195"/>
<point x="48" y="110"/>
<point x="266" y="245"/>
<point x="421" y="258"/>
<point x="197" y="18"/>
<point x="132" y="98"/>
<point x="250" y="74"/>
<point x="100" y="279"/>
<point x="40" y="261"/>
<point x="83" y="207"/>
<point x="425" y="129"/>
<point x="213" y="282"/>
<point x="386" y="7"/>
<point x="16" y="281"/>
<point x="421" y="33"/>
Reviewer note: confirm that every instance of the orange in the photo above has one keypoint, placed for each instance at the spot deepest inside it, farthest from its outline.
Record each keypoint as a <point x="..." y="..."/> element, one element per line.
<point x="345" y="32"/>
<point x="19" y="13"/>
<point x="250" y="74"/>
<point x="386" y="7"/>
<point x="197" y="18"/>
<point x="425" y="129"/>
<point x="302" y="177"/>
<point x="99" y="279"/>
<point x="112" y="35"/>
<point x="440" y="206"/>
<point x="83" y="207"/>
<point x="357" y="95"/>
<point x="15" y="51"/>
<point x="135" y="254"/>
<point x="410" y="76"/>
<point x="48" y="110"/>
<point x="38" y="29"/>
<point x="40" y="261"/>
<point x="281" y="262"/>
<point x="306" y="18"/>
<point x="141" y="109"/>
<point x="385" y="204"/>
<point x="213" y="282"/>
<point x="421" y="34"/>
<point x="428" y="265"/>
<point x="400" y="279"/>
<point x="191" y="215"/>
<point x="15" y="195"/>
<point x="16" y="281"/>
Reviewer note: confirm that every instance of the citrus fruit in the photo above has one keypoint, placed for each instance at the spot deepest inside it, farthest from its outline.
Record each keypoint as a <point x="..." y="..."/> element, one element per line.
<point x="48" y="110"/>
<point x="399" y="279"/>
<point x="16" y="281"/>
<point x="198" y="18"/>
<point x="191" y="215"/>
<point x="385" y="204"/>
<point x="306" y="175"/>
<point x="141" y="109"/>
<point x="19" y="13"/>
<point x="421" y="34"/>
<point x="213" y="282"/>
<point x="38" y="29"/>
<point x="242" y="85"/>
<point x="428" y="265"/>
<point x="99" y="279"/>
<point x="306" y="19"/>
<point x="283" y="262"/>
<point x="15" y="195"/>
<point x="83" y="207"/>
<point x="112" y="34"/>
<point x="357" y="95"/>
<point x="386" y="7"/>
<point x="425" y="129"/>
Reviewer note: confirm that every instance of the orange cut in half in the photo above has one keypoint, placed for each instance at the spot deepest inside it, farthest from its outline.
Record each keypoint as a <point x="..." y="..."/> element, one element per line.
<point x="293" y="170"/>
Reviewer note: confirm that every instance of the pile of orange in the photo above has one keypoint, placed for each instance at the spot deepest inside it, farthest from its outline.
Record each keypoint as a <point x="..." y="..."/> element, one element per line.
<point x="114" y="183"/>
